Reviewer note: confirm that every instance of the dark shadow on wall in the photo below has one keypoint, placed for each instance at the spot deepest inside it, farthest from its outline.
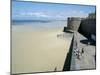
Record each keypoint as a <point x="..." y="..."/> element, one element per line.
<point x="67" y="63"/>
<point x="87" y="27"/>
<point x="86" y="41"/>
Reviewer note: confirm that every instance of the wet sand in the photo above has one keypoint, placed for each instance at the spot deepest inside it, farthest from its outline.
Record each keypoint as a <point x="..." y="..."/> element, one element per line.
<point x="38" y="50"/>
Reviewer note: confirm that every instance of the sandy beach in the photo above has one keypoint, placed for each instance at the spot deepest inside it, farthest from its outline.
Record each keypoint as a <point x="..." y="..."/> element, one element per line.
<point x="38" y="50"/>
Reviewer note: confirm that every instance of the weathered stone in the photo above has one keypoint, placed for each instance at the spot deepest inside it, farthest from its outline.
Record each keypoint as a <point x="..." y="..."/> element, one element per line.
<point x="73" y="23"/>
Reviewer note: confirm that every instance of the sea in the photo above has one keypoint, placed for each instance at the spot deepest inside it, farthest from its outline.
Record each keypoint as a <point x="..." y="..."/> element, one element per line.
<point x="41" y="23"/>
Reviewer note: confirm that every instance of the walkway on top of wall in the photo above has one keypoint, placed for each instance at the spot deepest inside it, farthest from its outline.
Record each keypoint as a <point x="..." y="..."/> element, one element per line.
<point x="86" y="57"/>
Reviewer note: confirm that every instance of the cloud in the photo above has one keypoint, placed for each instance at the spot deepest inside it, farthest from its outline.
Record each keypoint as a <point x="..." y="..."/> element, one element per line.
<point x="34" y="14"/>
<point x="70" y="13"/>
<point x="77" y="13"/>
<point x="50" y="15"/>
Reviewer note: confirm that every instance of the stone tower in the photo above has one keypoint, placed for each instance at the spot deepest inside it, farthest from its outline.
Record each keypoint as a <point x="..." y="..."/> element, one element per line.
<point x="73" y="23"/>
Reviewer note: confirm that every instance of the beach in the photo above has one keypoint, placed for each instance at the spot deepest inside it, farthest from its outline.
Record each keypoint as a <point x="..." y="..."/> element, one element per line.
<point x="38" y="49"/>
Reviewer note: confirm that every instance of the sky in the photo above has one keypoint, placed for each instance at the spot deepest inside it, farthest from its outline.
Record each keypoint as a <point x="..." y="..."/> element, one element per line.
<point x="48" y="11"/>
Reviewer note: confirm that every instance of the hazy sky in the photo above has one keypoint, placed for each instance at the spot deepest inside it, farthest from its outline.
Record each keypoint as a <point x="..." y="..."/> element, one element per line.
<point x="48" y="11"/>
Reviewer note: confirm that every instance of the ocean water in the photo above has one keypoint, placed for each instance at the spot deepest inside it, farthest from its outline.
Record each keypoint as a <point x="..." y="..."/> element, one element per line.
<point x="40" y="23"/>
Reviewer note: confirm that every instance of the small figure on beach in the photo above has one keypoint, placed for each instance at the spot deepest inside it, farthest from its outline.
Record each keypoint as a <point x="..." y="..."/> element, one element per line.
<point x="82" y="51"/>
<point x="55" y="69"/>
